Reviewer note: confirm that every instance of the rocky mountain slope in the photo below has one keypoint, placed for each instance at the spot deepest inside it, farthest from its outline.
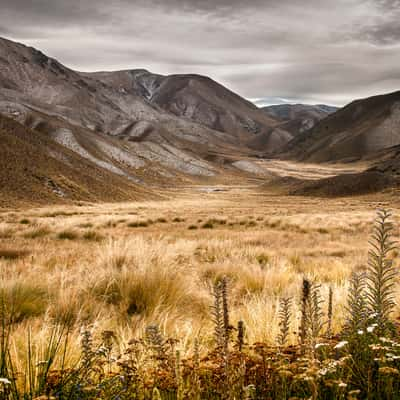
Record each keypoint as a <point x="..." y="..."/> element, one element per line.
<point x="359" y="130"/>
<point x="36" y="169"/>
<point x="199" y="99"/>
<point x="134" y="124"/>
<point x="298" y="118"/>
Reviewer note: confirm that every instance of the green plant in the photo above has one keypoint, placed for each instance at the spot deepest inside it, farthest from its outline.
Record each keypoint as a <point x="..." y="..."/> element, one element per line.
<point x="381" y="275"/>
<point x="356" y="306"/>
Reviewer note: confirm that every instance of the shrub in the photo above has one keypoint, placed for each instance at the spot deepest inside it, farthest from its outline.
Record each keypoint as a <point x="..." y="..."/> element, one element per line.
<point x="138" y="224"/>
<point x="192" y="227"/>
<point x="13" y="254"/>
<point x="25" y="221"/>
<point x="93" y="236"/>
<point x="36" y="233"/>
<point x="67" y="235"/>
<point x="161" y="220"/>
<point x="208" y="225"/>
<point x="86" y="225"/>
<point x="263" y="259"/>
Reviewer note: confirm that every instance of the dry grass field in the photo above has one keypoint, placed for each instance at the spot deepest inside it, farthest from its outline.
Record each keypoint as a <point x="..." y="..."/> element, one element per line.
<point x="122" y="267"/>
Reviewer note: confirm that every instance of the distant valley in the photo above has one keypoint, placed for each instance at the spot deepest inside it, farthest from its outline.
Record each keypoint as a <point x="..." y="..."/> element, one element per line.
<point x="107" y="136"/>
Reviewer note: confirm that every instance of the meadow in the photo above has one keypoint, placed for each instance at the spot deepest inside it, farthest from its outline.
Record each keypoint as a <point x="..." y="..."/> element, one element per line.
<point x="229" y="294"/>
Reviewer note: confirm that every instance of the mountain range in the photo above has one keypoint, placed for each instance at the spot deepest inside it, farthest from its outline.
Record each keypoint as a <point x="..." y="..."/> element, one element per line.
<point x="70" y="135"/>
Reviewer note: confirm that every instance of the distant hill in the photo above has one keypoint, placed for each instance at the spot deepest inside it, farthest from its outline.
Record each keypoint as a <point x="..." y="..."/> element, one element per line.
<point x="288" y="112"/>
<point x="298" y="118"/>
<point x="356" y="131"/>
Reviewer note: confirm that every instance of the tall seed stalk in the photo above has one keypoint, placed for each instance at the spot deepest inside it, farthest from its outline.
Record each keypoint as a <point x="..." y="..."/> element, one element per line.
<point x="381" y="274"/>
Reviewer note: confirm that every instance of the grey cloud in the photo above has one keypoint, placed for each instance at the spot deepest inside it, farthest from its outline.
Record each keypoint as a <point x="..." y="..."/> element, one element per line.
<point x="287" y="49"/>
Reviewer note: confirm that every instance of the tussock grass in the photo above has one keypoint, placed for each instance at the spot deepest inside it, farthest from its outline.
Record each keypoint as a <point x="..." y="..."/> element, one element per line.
<point x="13" y="254"/>
<point x="67" y="235"/>
<point x="139" y="224"/>
<point x="93" y="236"/>
<point x="24" y="299"/>
<point x="165" y="277"/>
<point x="36" y="233"/>
<point x="6" y="232"/>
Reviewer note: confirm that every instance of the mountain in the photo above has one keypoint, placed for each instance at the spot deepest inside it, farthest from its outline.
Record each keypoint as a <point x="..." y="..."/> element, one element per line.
<point x="298" y="118"/>
<point x="199" y="99"/>
<point x="146" y="128"/>
<point x="288" y="112"/>
<point x="382" y="175"/>
<point x="36" y="169"/>
<point x="354" y="132"/>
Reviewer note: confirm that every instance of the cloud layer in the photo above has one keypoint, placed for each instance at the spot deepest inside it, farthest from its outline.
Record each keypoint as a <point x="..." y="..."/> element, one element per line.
<point x="315" y="51"/>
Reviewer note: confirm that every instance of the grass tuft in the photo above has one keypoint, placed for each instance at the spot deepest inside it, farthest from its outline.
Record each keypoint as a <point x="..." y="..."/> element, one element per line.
<point x="67" y="235"/>
<point x="13" y="254"/>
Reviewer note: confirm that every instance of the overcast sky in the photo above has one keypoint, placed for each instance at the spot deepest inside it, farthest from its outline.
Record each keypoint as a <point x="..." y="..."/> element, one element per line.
<point x="312" y="51"/>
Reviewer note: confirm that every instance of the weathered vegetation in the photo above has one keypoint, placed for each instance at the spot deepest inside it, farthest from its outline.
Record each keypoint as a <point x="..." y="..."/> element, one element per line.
<point x="291" y="306"/>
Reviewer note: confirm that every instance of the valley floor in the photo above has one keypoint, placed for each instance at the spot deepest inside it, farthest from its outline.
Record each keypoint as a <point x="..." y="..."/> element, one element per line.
<point x="123" y="266"/>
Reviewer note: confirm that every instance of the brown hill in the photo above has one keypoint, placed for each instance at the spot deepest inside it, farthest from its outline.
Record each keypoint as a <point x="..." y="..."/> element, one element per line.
<point x="354" y="132"/>
<point x="35" y="169"/>
<point x="199" y="99"/>
<point x="298" y="118"/>
<point x="383" y="174"/>
<point x="138" y="126"/>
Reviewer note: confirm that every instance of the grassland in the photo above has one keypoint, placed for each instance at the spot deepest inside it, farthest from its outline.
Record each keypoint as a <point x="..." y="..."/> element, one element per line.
<point x="124" y="267"/>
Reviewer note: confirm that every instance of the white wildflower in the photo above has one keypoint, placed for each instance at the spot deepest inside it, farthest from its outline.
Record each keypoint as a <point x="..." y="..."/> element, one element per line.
<point x="371" y="328"/>
<point x="318" y="345"/>
<point x="360" y="332"/>
<point x="341" y="344"/>
<point x="342" y="384"/>
<point x="5" y="381"/>
<point x="323" y="371"/>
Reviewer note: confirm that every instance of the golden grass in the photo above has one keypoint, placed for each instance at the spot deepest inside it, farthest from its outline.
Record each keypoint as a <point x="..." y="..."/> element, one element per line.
<point x="115" y="277"/>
